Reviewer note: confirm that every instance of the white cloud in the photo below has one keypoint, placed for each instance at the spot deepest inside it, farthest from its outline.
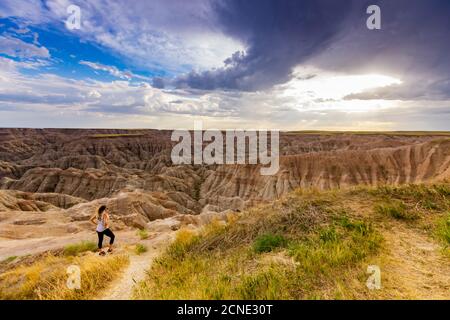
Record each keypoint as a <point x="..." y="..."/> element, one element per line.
<point x="110" y="69"/>
<point x="17" y="48"/>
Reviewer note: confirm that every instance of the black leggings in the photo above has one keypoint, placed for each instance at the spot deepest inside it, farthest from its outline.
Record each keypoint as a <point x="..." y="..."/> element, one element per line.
<point x="108" y="233"/>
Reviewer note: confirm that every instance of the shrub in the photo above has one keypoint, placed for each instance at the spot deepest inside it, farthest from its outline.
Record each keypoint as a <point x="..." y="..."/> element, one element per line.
<point x="143" y="234"/>
<point x="140" y="248"/>
<point x="268" y="242"/>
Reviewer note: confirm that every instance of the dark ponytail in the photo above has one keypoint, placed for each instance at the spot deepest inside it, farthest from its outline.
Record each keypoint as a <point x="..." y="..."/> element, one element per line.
<point x="100" y="211"/>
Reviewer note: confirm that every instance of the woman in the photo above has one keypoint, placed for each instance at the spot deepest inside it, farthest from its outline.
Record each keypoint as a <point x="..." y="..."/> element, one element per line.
<point x="101" y="219"/>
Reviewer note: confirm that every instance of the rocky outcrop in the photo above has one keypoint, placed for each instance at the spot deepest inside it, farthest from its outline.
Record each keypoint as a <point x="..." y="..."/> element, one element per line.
<point x="132" y="208"/>
<point x="24" y="201"/>
<point x="427" y="161"/>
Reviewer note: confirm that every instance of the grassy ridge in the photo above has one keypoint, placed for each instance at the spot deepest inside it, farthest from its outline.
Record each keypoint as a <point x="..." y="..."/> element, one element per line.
<point x="287" y="251"/>
<point x="308" y="245"/>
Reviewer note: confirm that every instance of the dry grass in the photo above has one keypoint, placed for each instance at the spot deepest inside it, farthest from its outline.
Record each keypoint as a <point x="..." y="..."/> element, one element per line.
<point x="46" y="278"/>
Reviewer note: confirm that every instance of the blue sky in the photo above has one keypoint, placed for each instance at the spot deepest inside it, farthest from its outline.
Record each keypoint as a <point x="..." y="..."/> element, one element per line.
<point x="233" y="64"/>
<point x="68" y="52"/>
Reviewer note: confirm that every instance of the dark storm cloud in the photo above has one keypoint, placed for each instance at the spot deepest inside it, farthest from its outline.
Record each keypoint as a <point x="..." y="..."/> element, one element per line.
<point x="412" y="44"/>
<point x="278" y="35"/>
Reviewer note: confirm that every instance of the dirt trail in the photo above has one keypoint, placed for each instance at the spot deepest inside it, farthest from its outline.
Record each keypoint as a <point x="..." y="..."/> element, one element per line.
<point x="414" y="266"/>
<point x="122" y="288"/>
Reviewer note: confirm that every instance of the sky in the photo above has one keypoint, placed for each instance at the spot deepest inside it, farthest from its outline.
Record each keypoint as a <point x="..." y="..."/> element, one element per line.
<point x="254" y="64"/>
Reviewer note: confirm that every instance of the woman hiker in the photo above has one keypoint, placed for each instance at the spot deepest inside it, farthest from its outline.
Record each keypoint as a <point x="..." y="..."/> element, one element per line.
<point x="101" y="219"/>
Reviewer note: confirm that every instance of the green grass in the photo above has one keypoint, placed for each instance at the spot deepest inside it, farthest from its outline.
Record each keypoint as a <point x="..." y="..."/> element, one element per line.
<point x="140" y="248"/>
<point x="443" y="229"/>
<point x="334" y="247"/>
<point x="269" y="242"/>
<point x="396" y="209"/>
<point x="143" y="234"/>
<point x="77" y="248"/>
<point x="360" y="226"/>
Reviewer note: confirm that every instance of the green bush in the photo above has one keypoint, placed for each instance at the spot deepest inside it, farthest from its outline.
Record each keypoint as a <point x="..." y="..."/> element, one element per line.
<point x="143" y="234"/>
<point x="140" y="248"/>
<point x="268" y="242"/>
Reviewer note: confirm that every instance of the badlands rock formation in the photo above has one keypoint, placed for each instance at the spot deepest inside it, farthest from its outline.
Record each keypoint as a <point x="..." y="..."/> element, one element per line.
<point x="71" y="172"/>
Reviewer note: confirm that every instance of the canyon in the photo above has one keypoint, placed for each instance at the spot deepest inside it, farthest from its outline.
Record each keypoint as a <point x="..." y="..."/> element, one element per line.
<point x="52" y="180"/>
